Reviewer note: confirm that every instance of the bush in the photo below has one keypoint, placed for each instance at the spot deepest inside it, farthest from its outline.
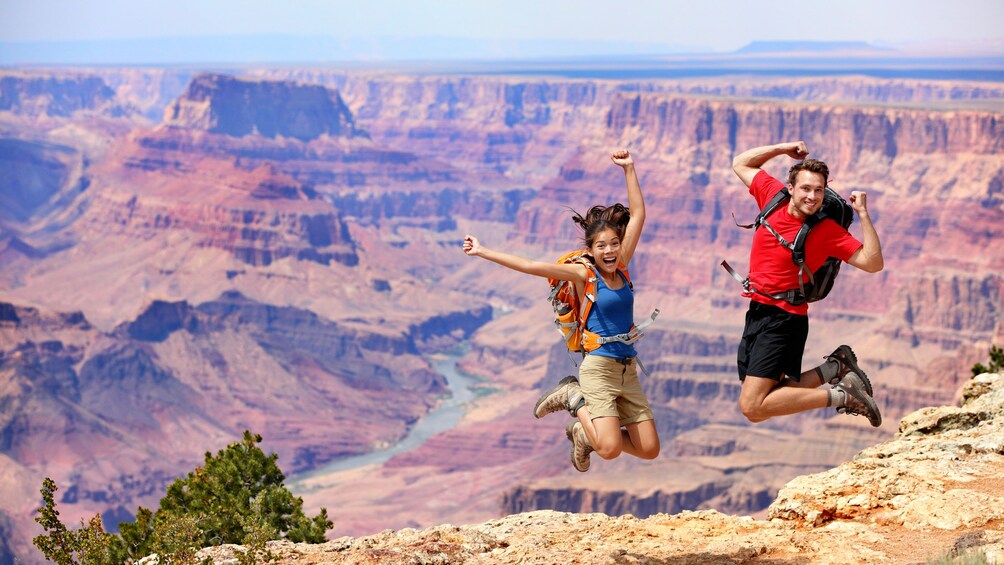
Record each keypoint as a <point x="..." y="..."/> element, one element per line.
<point x="221" y="492"/>
<point x="88" y="545"/>
<point x="996" y="362"/>
<point x="237" y="497"/>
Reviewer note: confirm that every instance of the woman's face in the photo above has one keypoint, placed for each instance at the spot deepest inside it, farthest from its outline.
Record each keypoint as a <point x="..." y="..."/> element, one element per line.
<point x="606" y="250"/>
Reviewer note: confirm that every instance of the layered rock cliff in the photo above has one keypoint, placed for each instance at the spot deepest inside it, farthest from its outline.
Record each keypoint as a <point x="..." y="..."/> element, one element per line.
<point x="40" y="93"/>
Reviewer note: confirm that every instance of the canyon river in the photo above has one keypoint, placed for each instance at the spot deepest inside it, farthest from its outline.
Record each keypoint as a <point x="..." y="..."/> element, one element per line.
<point x="442" y="418"/>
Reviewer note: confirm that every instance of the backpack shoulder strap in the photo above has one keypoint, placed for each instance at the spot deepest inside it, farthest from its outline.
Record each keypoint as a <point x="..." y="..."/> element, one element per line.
<point x="771" y="205"/>
<point x="588" y="291"/>
<point x="798" y="244"/>
<point x="780" y="196"/>
<point x="622" y="269"/>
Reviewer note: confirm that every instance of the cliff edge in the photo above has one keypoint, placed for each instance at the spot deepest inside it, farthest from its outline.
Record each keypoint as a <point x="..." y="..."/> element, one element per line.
<point x="932" y="490"/>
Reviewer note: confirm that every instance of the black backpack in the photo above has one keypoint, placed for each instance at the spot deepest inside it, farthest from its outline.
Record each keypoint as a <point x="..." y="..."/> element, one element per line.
<point x="820" y="281"/>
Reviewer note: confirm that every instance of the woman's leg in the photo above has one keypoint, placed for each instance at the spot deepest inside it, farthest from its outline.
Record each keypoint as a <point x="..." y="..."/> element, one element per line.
<point x="599" y="380"/>
<point x="604" y="433"/>
<point x="608" y="439"/>
<point x="642" y="440"/>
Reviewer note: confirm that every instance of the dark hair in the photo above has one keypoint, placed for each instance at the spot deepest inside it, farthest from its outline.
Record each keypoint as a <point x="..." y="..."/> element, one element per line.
<point x="811" y="165"/>
<point x="599" y="218"/>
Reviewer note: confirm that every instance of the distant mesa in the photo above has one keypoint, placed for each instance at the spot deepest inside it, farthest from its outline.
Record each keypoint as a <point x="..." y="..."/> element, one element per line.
<point x="237" y="107"/>
<point x="757" y="47"/>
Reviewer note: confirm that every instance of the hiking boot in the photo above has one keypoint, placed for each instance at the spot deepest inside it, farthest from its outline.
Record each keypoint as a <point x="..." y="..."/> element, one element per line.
<point x="580" y="446"/>
<point x="566" y="395"/>
<point x="857" y="402"/>
<point x="848" y="363"/>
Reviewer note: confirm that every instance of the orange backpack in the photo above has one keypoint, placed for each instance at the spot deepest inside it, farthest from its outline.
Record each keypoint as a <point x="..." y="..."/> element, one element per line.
<point x="571" y="316"/>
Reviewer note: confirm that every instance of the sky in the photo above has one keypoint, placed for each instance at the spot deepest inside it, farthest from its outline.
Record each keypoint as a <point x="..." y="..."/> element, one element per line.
<point x="707" y="25"/>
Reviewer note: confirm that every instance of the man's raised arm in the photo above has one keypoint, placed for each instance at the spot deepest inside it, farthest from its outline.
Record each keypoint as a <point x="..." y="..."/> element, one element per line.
<point x="748" y="163"/>
<point x="869" y="257"/>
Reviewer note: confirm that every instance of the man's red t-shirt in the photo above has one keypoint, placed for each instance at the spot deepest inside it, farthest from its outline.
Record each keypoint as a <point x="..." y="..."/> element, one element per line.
<point x="771" y="268"/>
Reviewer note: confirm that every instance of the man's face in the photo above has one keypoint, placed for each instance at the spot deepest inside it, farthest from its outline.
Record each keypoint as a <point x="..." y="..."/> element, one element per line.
<point x="806" y="194"/>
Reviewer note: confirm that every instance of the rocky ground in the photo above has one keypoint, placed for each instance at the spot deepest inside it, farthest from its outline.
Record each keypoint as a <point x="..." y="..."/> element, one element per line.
<point x="932" y="492"/>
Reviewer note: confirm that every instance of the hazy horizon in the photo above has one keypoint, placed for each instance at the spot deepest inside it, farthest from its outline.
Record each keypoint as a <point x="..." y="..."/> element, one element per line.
<point x="259" y="31"/>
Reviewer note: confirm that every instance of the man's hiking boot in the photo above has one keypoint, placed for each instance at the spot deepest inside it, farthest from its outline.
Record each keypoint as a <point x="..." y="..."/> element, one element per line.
<point x="566" y="395"/>
<point x="848" y="363"/>
<point x="580" y="446"/>
<point x="857" y="401"/>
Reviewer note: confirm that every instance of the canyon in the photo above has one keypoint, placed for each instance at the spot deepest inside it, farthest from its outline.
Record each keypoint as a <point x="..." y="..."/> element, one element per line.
<point x="186" y="255"/>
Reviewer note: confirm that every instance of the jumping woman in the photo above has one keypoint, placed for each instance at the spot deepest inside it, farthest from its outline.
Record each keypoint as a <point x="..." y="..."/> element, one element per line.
<point x="610" y="412"/>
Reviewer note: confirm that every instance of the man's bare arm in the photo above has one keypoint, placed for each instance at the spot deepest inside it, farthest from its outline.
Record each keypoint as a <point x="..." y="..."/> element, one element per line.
<point x="748" y="163"/>
<point x="869" y="257"/>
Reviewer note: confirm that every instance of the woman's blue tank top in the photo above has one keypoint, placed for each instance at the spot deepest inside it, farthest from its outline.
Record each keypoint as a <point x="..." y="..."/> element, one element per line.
<point x="612" y="314"/>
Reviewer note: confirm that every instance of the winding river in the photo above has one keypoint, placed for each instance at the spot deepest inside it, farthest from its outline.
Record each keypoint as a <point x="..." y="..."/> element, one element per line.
<point x="442" y="418"/>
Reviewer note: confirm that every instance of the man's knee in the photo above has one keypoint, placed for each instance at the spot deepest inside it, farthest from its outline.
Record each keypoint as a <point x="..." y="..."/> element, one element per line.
<point x="752" y="396"/>
<point x="751" y="409"/>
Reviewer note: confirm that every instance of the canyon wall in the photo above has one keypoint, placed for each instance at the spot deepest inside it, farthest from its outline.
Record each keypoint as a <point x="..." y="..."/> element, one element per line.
<point x="281" y="252"/>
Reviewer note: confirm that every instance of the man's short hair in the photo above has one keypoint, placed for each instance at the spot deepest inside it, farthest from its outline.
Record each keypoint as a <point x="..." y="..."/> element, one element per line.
<point x="811" y="165"/>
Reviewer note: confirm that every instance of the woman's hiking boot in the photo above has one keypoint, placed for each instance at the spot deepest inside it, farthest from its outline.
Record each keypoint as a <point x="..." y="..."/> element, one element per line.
<point x="857" y="401"/>
<point x="842" y="362"/>
<point x="580" y="446"/>
<point x="566" y="395"/>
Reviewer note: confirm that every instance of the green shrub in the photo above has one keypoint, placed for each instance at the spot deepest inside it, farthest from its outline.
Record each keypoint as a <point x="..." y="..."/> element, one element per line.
<point x="221" y="492"/>
<point x="259" y="531"/>
<point x="236" y="496"/>
<point x="89" y="544"/>
<point x="996" y="362"/>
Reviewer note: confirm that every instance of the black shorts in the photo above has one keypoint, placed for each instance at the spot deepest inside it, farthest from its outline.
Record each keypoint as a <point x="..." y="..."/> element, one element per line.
<point x="772" y="344"/>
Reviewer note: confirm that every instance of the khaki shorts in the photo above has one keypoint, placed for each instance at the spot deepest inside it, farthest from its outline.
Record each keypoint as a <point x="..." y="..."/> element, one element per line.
<point x="611" y="388"/>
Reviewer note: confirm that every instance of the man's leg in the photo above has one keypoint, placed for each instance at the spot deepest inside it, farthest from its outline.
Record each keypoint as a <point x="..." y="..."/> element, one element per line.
<point x="761" y="398"/>
<point x="838" y="365"/>
<point x="849" y="396"/>
<point x="808" y="379"/>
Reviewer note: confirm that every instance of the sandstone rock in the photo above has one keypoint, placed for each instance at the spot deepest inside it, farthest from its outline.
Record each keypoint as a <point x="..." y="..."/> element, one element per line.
<point x="932" y="475"/>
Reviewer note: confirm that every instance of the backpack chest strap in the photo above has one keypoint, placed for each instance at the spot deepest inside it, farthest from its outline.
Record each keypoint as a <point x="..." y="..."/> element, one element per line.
<point x="795" y="296"/>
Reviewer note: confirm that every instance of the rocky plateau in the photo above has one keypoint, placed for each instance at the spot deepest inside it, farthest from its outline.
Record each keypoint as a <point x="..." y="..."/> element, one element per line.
<point x="931" y="492"/>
